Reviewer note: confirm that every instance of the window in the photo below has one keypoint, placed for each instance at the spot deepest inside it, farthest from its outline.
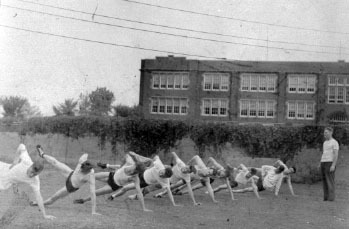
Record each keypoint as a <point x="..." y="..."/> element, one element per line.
<point x="207" y="107"/>
<point x="216" y="82"/>
<point x="156" y="81"/>
<point x="215" y="107"/>
<point x="258" y="82"/>
<point x="253" y="108"/>
<point x="169" y="106"/>
<point x="338" y="89"/>
<point x="292" y="110"/>
<point x="225" y="83"/>
<point x="257" y="108"/>
<point x="162" y="106"/>
<point x="301" y="83"/>
<point x="170" y="80"/>
<point x="176" y="104"/>
<point x="184" y="106"/>
<point x="166" y="105"/>
<point x="261" y="108"/>
<point x="163" y="81"/>
<point x="270" y="109"/>
<point x="245" y="83"/>
<point x="300" y="110"/>
<point x="185" y="84"/>
<point x="262" y="83"/>
<point x="177" y="81"/>
<point x="244" y="105"/>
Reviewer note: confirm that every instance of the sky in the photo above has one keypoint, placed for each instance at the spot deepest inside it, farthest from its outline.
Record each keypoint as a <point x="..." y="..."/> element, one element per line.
<point x="76" y="56"/>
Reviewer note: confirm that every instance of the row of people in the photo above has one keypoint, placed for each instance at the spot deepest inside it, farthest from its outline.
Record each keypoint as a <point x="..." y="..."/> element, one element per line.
<point x="145" y="175"/>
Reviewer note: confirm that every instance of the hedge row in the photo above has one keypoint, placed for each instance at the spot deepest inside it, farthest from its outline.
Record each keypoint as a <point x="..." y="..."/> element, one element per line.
<point x="151" y="136"/>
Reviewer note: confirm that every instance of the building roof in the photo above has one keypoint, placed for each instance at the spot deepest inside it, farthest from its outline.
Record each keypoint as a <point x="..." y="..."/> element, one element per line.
<point x="171" y="63"/>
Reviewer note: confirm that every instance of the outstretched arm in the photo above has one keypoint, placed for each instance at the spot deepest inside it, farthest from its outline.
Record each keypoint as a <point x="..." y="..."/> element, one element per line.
<point x="229" y="188"/>
<point x="40" y="203"/>
<point x="210" y="190"/>
<point x="212" y="161"/>
<point x="82" y="159"/>
<point x="93" y="192"/>
<point x="255" y="188"/>
<point x="140" y="194"/>
<point x="290" y="185"/>
<point x="108" y="166"/>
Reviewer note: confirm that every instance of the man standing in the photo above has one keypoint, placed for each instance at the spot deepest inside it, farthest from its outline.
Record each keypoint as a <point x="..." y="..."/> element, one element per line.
<point x="328" y="164"/>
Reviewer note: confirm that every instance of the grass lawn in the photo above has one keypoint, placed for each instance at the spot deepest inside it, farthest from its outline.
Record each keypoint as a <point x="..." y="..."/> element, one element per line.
<point x="305" y="211"/>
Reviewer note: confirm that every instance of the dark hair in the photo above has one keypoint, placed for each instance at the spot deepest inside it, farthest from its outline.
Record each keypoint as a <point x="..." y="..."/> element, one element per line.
<point x="214" y="171"/>
<point x="86" y="167"/>
<point x="228" y="171"/>
<point x="140" y="168"/>
<point x="253" y="171"/>
<point x="192" y="168"/>
<point x="38" y="166"/>
<point x="168" y="172"/>
<point x="281" y="168"/>
<point x="329" y="129"/>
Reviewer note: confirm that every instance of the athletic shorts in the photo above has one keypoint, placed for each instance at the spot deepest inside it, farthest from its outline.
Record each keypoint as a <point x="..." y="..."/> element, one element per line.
<point x="111" y="182"/>
<point x="260" y="184"/>
<point x="203" y="181"/>
<point x="142" y="182"/>
<point x="69" y="185"/>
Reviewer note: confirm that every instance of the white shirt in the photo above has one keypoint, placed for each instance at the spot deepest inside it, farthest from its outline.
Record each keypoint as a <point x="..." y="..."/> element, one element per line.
<point x="328" y="147"/>
<point x="18" y="173"/>
<point x="177" y="173"/>
<point x="120" y="177"/>
<point x="241" y="177"/>
<point x="151" y="175"/>
<point x="271" y="180"/>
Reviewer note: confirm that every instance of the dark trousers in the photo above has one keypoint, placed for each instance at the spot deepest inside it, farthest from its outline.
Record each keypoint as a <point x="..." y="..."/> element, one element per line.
<point x="328" y="181"/>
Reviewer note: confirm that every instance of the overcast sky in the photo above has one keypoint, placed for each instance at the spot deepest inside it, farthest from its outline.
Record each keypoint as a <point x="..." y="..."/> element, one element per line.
<point x="48" y="69"/>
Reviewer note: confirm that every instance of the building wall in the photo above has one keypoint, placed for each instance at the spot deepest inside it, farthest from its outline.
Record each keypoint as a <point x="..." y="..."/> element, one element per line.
<point x="196" y="94"/>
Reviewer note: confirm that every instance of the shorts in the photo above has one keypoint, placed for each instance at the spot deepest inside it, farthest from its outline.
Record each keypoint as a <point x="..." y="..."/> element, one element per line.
<point x="142" y="182"/>
<point x="260" y="184"/>
<point x="111" y="182"/>
<point x="203" y="181"/>
<point x="69" y="185"/>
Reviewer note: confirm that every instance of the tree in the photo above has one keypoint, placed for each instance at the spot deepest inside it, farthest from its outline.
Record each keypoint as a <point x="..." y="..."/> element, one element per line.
<point x="101" y="100"/>
<point x="67" y="108"/>
<point x="126" y="111"/>
<point x="84" y="104"/>
<point x="13" y="105"/>
<point x="29" y="111"/>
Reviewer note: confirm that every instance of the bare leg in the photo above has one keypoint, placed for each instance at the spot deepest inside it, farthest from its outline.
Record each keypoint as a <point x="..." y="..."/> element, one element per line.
<point x="58" y="195"/>
<point x="196" y="160"/>
<point x="243" y="190"/>
<point x="63" y="168"/>
<point x="123" y="190"/>
<point x="193" y="188"/>
<point x="146" y="190"/>
<point x="173" y="187"/>
<point x="102" y="176"/>
<point x="215" y="164"/>
<point x="101" y="191"/>
<point x="219" y="188"/>
<point x="210" y="190"/>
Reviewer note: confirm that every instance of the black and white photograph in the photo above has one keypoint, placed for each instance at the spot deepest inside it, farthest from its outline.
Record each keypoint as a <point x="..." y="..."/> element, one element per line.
<point x="174" y="114"/>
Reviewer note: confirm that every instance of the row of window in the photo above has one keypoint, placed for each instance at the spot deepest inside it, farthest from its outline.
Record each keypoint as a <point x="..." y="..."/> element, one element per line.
<point x="170" y="80"/>
<point x="250" y="108"/>
<point x="253" y="82"/>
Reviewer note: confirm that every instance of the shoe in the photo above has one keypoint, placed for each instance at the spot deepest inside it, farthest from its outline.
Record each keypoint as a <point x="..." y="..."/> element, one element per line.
<point x="39" y="149"/>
